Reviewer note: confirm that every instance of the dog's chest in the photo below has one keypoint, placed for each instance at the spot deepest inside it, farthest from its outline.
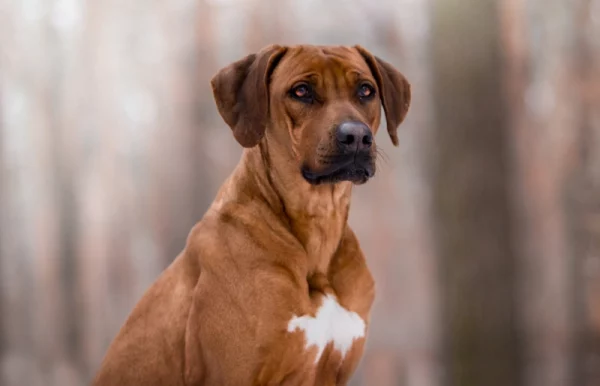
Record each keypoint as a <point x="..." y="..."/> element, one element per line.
<point x="320" y="346"/>
<point x="332" y="326"/>
<point x="317" y="347"/>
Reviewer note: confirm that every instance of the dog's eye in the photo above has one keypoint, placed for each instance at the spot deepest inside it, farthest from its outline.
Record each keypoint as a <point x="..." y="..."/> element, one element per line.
<point x="366" y="91"/>
<point x="302" y="92"/>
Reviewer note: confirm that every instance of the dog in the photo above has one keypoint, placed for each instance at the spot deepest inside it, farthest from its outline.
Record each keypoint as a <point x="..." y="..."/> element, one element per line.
<point x="272" y="287"/>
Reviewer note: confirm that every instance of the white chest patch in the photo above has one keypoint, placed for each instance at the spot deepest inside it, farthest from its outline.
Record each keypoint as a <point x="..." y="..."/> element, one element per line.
<point x="332" y="323"/>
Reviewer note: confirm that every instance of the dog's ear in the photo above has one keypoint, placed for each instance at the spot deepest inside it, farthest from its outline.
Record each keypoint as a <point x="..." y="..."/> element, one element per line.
<point x="241" y="92"/>
<point x="394" y="91"/>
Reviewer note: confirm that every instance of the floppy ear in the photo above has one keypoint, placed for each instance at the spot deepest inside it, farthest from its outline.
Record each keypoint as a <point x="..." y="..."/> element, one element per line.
<point x="241" y="92"/>
<point x="394" y="91"/>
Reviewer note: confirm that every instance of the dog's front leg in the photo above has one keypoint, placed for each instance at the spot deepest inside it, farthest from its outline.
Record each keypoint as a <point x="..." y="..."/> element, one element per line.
<point x="354" y="287"/>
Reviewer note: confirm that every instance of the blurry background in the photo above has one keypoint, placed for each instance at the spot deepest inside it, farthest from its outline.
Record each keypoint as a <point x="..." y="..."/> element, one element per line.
<point x="482" y="229"/>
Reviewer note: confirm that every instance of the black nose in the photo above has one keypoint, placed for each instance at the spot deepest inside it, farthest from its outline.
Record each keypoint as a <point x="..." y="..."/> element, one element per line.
<point x="354" y="135"/>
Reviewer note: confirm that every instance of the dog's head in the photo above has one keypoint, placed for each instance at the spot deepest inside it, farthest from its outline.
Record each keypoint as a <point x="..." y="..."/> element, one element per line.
<point x="322" y="103"/>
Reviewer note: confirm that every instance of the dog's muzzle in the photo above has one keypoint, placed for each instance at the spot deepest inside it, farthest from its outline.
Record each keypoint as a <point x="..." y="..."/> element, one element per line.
<point x="351" y="161"/>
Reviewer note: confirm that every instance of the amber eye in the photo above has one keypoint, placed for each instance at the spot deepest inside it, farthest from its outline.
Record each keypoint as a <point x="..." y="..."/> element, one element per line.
<point x="302" y="92"/>
<point x="366" y="91"/>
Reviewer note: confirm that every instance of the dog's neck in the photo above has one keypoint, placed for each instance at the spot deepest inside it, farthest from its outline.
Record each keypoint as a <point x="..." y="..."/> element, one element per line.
<point x="316" y="215"/>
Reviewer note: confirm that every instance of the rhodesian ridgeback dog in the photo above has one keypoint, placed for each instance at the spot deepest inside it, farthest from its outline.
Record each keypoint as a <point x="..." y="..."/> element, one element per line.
<point x="272" y="287"/>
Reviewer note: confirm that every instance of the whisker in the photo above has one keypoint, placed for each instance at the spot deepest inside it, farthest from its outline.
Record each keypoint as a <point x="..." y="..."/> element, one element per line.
<point x="381" y="157"/>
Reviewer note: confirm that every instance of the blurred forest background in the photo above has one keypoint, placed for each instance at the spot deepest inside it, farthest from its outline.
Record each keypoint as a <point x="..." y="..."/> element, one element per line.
<point x="482" y="229"/>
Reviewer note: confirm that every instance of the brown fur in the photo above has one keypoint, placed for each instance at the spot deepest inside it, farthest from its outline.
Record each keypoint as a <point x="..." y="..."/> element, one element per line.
<point x="271" y="243"/>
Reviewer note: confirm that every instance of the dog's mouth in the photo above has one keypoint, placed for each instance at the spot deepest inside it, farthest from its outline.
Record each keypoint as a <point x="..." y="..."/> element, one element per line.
<point x="355" y="170"/>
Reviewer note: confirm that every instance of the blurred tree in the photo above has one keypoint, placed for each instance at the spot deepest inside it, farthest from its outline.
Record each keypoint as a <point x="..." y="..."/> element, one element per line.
<point x="582" y="191"/>
<point x="471" y="199"/>
<point x="552" y="69"/>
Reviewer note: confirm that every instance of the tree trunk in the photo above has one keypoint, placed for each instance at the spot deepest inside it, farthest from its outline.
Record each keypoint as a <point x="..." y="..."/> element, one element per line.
<point x="471" y="200"/>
